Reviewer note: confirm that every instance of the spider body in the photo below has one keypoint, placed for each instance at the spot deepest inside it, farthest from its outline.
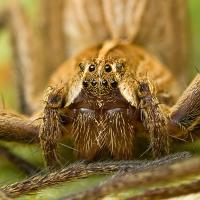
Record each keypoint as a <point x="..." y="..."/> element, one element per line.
<point x="109" y="98"/>
<point x="105" y="86"/>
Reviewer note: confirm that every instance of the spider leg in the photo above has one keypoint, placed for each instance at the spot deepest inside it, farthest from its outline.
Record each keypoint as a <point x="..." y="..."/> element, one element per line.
<point x="80" y="170"/>
<point x="185" y="114"/>
<point x="3" y="196"/>
<point x="170" y="191"/>
<point x="153" y="118"/>
<point x="20" y="163"/>
<point x="18" y="128"/>
<point x="51" y="127"/>
<point x="137" y="179"/>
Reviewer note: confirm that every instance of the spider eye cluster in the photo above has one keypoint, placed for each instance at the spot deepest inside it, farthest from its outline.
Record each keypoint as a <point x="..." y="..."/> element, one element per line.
<point x="107" y="67"/>
<point x="113" y="83"/>
<point x="101" y="82"/>
<point x="91" y="67"/>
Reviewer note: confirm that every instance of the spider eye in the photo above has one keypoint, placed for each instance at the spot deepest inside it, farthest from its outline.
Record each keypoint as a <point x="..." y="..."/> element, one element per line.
<point x="94" y="83"/>
<point x="91" y="68"/>
<point x="104" y="82"/>
<point x="119" y="66"/>
<point x="144" y="87"/>
<point x="85" y="83"/>
<point x="113" y="83"/>
<point x="108" y="68"/>
<point x="81" y="66"/>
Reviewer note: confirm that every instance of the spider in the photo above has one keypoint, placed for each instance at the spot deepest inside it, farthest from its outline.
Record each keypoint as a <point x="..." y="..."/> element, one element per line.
<point x="110" y="99"/>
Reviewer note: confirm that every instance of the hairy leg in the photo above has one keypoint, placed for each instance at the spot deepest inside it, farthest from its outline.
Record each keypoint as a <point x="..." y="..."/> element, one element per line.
<point x="170" y="191"/>
<point x="185" y="115"/>
<point x="182" y="119"/>
<point x="51" y="127"/>
<point x="18" y="128"/>
<point x="80" y="170"/>
<point x="166" y="173"/>
<point x="21" y="129"/>
<point x="153" y="118"/>
<point x="3" y="196"/>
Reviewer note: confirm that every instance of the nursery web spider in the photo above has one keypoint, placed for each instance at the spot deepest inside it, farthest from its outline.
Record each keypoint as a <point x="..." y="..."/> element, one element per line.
<point x="108" y="99"/>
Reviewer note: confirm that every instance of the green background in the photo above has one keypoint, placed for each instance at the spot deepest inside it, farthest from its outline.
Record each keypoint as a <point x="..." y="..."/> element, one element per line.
<point x="8" y="173"/>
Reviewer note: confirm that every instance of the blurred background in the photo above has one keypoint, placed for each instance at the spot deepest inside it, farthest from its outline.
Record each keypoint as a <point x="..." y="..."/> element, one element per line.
<point x="8" y="96"/>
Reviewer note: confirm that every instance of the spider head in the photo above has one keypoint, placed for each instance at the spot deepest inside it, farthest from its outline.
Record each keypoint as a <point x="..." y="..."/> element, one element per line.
<point x="100" y="76"/>
<point x="105" y="73"/>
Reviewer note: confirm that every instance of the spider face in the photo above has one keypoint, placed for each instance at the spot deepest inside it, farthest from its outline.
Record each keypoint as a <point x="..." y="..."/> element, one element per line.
<point x="106" y="92"/>
<point x="102" y="112"/>
<point x="99" y="78"/>
<point x="100" y="81"/>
